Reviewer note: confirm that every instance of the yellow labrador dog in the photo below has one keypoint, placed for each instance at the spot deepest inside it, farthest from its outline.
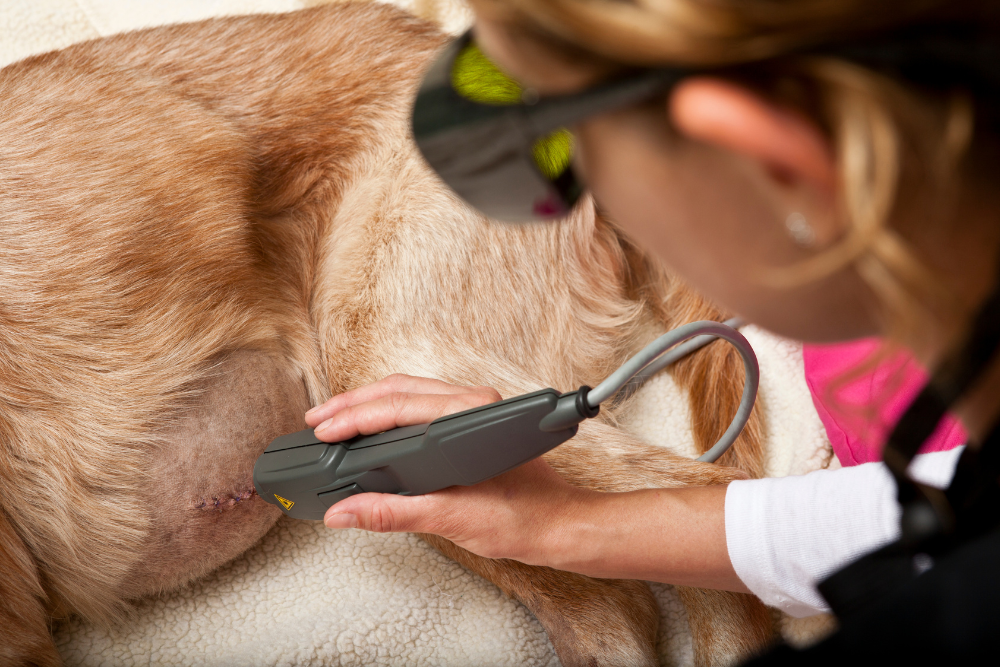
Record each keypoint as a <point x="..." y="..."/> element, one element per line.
<point x="206" y="229"/>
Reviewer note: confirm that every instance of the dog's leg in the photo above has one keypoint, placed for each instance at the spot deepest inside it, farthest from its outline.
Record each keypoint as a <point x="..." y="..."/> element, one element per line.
<point x="590" y="622"/>
<point x="725" y="627"/>
<point x="612" y="622"/>
<point x="24" y="627"/>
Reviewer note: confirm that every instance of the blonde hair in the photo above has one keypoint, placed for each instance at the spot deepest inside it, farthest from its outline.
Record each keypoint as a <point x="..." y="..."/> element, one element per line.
<point x="895" y="145"/>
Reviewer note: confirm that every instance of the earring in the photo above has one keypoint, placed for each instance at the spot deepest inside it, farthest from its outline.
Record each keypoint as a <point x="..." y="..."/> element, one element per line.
<point x="800" y="230"/>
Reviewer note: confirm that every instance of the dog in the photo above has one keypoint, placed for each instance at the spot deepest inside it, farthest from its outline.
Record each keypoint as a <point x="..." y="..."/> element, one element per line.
<point x="206" y="229"/>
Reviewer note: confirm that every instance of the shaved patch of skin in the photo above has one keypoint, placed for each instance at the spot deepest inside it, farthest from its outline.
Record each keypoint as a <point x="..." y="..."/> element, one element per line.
<point x="204" y="508"/>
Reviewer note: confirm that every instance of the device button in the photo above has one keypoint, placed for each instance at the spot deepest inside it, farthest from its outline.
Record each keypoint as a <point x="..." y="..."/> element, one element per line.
<point x="330" y="498"/>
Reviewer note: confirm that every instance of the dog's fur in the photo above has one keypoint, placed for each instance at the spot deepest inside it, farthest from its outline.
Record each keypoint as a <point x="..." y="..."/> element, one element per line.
<point x="205" y="229"/>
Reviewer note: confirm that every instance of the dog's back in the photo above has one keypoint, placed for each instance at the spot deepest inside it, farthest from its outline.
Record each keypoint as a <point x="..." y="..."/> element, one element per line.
<point x="149" y="185"/>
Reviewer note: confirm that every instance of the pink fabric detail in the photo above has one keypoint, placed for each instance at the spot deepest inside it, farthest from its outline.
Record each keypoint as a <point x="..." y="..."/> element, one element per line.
<point x="857" y="434"/>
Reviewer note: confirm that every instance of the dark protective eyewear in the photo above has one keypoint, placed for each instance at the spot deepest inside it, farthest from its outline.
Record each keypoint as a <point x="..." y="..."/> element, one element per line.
<point x="503" y="149"/>
<point x="508" y="153"/>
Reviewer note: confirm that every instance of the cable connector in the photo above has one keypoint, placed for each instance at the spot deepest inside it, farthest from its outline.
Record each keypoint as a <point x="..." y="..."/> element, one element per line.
<point x="582" y="406"/>
<point x="571" y="409"/>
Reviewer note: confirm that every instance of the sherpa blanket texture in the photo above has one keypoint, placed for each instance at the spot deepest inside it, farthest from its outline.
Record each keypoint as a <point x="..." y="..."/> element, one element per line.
<point x="308" y="596"/>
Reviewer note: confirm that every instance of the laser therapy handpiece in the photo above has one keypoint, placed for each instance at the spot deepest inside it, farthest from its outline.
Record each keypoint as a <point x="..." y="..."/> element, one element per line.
<point x="305" y="476"/>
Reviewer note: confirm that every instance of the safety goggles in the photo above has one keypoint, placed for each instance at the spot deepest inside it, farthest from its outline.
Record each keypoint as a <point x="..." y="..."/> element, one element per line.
<point x="508" y="153"/>
<point x="505" y="151"/>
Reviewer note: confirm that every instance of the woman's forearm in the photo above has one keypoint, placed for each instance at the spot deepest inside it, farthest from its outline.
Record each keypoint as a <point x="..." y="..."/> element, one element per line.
<point x="676" y="536"/>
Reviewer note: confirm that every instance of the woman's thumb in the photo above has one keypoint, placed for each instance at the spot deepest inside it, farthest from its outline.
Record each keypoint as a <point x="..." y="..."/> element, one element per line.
<point x="380" y="513"/>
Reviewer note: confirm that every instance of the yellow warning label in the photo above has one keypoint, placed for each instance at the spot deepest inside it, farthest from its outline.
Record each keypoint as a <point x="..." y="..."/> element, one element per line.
<point x="287" y="504"/>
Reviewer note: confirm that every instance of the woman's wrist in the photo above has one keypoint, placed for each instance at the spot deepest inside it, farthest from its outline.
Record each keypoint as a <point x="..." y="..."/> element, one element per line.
<point x="674" y="536"/>
<point x="599" y="534"/>
<point x="568" y="541"/>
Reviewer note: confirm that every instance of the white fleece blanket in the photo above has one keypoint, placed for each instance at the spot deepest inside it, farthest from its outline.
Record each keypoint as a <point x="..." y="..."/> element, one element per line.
<point x="308" y="596"/>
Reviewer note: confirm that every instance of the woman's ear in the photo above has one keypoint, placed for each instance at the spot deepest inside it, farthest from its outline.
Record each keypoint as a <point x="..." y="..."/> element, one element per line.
<point x="721" y="113"/>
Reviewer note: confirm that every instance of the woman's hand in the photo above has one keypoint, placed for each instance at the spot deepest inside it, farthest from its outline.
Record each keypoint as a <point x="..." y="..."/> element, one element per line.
<point x="508" y="516"/>
<point x="530" y="513"/>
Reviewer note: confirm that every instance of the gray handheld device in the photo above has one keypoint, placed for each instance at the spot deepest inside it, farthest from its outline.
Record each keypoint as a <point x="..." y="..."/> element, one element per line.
<point x="306" y="476"/>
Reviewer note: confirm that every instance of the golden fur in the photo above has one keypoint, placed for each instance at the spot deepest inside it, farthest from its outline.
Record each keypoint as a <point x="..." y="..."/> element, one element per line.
<point x="207" y="228"/>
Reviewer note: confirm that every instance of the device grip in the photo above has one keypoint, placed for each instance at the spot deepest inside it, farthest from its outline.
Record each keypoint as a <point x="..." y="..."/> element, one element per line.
<point x="485" y="444"/>
<point x="465" y="448"/>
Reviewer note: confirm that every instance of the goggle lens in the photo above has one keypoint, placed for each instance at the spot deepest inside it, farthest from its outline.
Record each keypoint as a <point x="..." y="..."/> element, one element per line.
<point x="477" y="79"/>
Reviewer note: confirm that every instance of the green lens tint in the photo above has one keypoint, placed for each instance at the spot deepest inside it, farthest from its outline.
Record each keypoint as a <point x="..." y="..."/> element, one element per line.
<point x="553" y="154"/>
<point x="477" y="79"/>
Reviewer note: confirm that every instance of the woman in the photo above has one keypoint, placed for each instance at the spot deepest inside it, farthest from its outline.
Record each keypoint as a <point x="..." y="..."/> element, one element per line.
<point x="821" y="169"/>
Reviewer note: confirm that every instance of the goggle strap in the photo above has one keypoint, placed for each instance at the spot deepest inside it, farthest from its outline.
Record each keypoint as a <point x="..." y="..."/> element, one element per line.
<point x="550" y="114"/>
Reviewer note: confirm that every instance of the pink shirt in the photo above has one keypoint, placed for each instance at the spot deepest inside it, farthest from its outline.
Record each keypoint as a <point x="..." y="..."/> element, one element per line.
<point x="859" y="415"/>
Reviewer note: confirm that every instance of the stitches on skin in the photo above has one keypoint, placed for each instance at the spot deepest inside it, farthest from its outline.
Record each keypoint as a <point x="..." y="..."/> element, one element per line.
<point x="220" y="503"/>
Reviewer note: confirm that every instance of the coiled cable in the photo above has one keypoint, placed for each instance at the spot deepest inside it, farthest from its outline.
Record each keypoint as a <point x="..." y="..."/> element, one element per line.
<point x="684" y="340"/>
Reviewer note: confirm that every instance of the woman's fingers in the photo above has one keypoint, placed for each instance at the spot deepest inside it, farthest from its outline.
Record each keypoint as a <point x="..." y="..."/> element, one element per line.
<point x="392" y="384"/>
<point x="508" y="516"/>
<point x="399" y="409"/>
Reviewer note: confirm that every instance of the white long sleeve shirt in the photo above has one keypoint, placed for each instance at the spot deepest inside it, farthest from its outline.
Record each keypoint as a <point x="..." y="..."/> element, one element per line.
<point x="786" y="534"/>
